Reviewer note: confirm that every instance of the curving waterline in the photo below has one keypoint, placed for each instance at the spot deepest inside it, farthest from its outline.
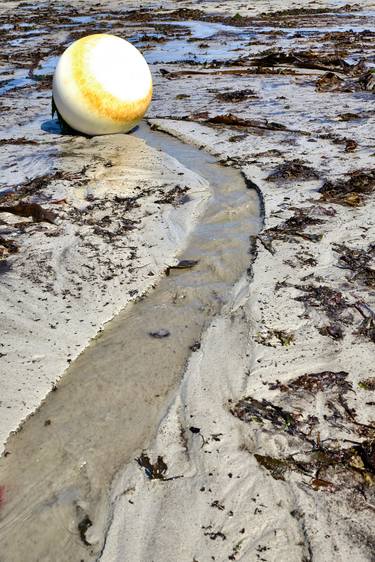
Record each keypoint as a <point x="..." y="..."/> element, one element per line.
<point x="107" y="406"/>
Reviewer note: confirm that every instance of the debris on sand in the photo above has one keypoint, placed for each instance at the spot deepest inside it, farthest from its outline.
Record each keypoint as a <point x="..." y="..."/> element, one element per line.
<point x="160" y="334"/>
<point x="83" y="527"/>
<point x="302" y="59"/>
<point x="183" y="264"/>
<point x="291" y="228"/>
<point x="332" y="302"/>
<point x="34" y="210"/>
<point x="7" y="247"/>
<point x="367" y="326"/>
<point x="328" y="466"/>
<point x="154" y="471"/>
<point x="329" y="82"/>
<point x="350" y="191"/>
<point x="357" y="261"/>
<point x="274" y="338"/>
<point x="350" y="145"/>
<point x="293" y="170"/>
<point x="249" y="409"/>
<point x="236" y="96"/>
<point x="367" y="384"/>
<point x="17" y="141"/>
<point x="316" y="382"/>
<point x="39" y="183"/>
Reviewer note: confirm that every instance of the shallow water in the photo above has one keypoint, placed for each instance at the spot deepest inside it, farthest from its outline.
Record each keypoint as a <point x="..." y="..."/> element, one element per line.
<point x="56" y="476"/>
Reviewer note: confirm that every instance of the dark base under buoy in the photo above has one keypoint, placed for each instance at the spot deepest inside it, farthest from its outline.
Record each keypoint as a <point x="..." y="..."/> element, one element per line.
<point x="65" y="128"/>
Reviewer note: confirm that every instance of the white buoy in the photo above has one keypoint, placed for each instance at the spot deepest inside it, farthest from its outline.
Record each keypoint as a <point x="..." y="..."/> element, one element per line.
<point x="102" y="85"/>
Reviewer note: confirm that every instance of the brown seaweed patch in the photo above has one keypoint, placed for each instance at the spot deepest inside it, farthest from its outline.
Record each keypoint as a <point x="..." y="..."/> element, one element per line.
<point x="291" y="228"/>
<point x="261" y="411"/>
<point x="357" y="261"/>
<point x="299" y="59"/>
<point x="19" y="140"/>
<point x="154" y="471"/>
<point x="316" y="382"/>
<point x="331" y="469"/>
<point x="367" y="326"/>
<point x="279" y="467"/>
<point x="35" y="185"/>
<point x="307" y="11"/>
<point x="34" y="210"/>
<point x="325" y="298"/>
<point x="293" y="170"/>
<point x="234" y="121"/>
<point x="236" y="96"/>
<point x="329" y="82"/>
<point x="367" y="384"/>
<point x="7" y="247"/>
<point x="351" y="191"/>
<point x="272" y="338"/>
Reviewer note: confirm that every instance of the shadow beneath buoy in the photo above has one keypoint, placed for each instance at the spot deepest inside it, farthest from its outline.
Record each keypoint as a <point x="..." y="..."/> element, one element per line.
<point x="52" y="126"/>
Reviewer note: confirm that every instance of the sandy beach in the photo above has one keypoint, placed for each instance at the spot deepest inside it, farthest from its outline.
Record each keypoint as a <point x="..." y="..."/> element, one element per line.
<point x="169" y="394"/>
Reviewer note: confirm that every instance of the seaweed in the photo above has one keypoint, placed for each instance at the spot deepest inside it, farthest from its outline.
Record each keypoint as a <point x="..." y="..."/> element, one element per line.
<point x="350" y="145"/>
<point x="367" y="326"/>
<point x="160" y="334"/>
<point x="347" y="466"/>
<point x="176" y="196"/>
<point x="35" y="185"/>
<point x="154" y="471"/>
<point x="213" y="535"/>
<point x="279" y="467"/>
<point x="329" y="82"/>
<point x="17" y="141"/>
<point x="249" y="409"/>
<point x="270" y="337"/>
<point x="236" y="96"/>
<point x="306" y="12"/>
<point x="301" y="59"/>
<point x="233" y="120"/>
<point x="83" y="526"/>
<point x="293" y="227"/>
<point x="334" y="331"/>
<point x="357" y="261"/>
<point x="367" y="384"/>
<point x="7" y="247"/>
<point x="351" y="191"/>
<point x="293" y="170"/>
<point x="34" y="210"/>
<point x="321" y="296"/>
<point x="316" y="382"/>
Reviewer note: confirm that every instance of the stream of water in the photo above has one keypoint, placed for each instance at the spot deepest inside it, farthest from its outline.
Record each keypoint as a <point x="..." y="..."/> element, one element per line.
<point x="55" y="479"/>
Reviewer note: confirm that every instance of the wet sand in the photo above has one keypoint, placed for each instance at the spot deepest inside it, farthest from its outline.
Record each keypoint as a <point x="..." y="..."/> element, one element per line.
<point x="266" y="449"/>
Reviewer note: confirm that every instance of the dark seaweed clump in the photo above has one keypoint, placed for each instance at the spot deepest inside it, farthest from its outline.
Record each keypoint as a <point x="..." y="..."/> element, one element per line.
<point x="293" y="170"/>
<point x="154" y="471"/>
<point x="351" y="191"/>
<point x="337" y="463"/>
<point x="357" y="261"/>
<point x="236" y="96"/>
<point x="293" y="227"/>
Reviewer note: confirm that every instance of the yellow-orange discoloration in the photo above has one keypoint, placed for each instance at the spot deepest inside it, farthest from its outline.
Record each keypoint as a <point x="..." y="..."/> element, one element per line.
<point x="102" y="102"/>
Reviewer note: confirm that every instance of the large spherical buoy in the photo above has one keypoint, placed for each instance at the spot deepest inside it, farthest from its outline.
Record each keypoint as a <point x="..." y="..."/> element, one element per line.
<point x="102" y="85"/>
